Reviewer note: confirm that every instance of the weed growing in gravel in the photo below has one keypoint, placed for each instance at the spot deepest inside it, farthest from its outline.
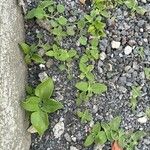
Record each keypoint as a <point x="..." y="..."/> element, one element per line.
<point x="147" y="112"/>
<point x="40" y="104"/>
<point x="85" y="116"/>
<point x="147" y="73"/>
<point x="102" y="132"/>
<point x="135" y="93"/>
<point x="31" y="53"/>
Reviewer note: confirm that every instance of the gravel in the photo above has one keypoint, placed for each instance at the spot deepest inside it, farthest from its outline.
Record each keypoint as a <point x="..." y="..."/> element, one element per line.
<point x="120" y="67"/>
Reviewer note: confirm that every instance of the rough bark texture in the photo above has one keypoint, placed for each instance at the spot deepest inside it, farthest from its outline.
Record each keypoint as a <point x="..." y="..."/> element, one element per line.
<point x="13" y="135"/>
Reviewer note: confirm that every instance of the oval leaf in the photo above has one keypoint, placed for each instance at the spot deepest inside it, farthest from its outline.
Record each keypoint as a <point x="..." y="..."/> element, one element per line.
<point x="31" y="104"/>
<point x="51" y="106"/>
<point x="83" y="86"/>
<point x="89" y="140"/>
<point x="40" y="121"/>
<point x="98" y="88"/>
<point x="45" y="89"/>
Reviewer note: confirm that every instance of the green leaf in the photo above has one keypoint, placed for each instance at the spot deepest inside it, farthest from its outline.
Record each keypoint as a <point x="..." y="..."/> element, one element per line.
<point x="45" y="89"/>
<point x="101" y="137"/>
<point x="82" y="97"/>
<point x="147" y="73"/>
<point x="72" y="53"/>
<point x="70" y="30"/>
<point x="27" y="59"/>
<point x="81" y="23"/>
<point x="84" y="59"/>
<point x="60" y="8"/>
<point x="133" y="102"/>
<point x="107" y="130"/>
<point x="25" y="48"/>
<point x="29" y="90"/>
<point x="95" y="53"/>
<point x="31" y="104"/>
<point x="90" y="76"/>
<point x="96" y="128"/>
<point x="51" y="106"/>
<point x="140" y="10"/>
<point x="89" y="140"/>
<point x="137" y="135"/>
<point x="62" y="20"/>
<point x="98" y="88"/>
<point x="37" y="58"/>
<point x="83" y="86"/>
<point x="40" y="122"/>
<point x="147" y="112"/>
<point x="85" y="116"/>
<point x="83" y="40"/>
<point x="50" y="53"/>
<point x="53" y="23"/>
<point x="136" y="91"/>
<point x="115" y="123"/>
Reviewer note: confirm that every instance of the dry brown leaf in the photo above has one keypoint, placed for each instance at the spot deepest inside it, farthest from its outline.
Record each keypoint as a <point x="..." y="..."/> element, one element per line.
<point x="115" y="146"/>
<point x="31" y="129"/>
<point x="82" y="1"/>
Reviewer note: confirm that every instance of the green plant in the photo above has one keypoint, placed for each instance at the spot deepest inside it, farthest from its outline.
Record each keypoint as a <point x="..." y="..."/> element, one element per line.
<point x="85" y="116"/>
<point x="147" y="73"/>
<point x="86" y="70"/>
<point x="103" y="132"/>
<point x="61" y="54"/>
<point x="41" y="104"/>
<point x="40" y="11"/>
<point x="133" y="5"/>
<point x="135" y="93"/>
<point x="30" y="52"/>
<point x="87" y="89"/>
<point x="141" y="52"/>
<point x="147" y="112"/>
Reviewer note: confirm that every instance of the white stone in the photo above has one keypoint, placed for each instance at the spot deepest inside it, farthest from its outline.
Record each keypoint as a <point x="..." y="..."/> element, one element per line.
<point x="115" y="44"/>
<point x="58" y="129"/>
<point x="73" y="148"/>
<point x="143" y="1"/>
<point x="42" y="76"/>
<point x="102" y="56"/>
<point x="98" y="147"/>
<point x="128" y="50"/>
<point x="142" y="120"/>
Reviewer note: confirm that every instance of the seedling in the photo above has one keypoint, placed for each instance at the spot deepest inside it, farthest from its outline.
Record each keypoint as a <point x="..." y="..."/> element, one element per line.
<point x="86" y="70"/>
<point x="141" y="52"/>
<point x="147" y="73"/>
<point x="41" y="104"/>
<point x="135" y="93"/>
<point x="133" y="5"/>
<point x="103" y="132"/>
<point x="147" y="112"/>
<point x="85" y="116"/>
<point x="31" y="54"/>
<point x="87" y="89"/>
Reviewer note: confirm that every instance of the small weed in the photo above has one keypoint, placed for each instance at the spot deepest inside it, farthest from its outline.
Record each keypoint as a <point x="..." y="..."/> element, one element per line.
<point x="85" y="116"/>
<point x="147" y="112"/>
<point x="103" y="132"/>
<point x="135" y="93"/>
<point x="40" y="104"/>
<point x="147" y="73"/>
<point x="31" y="53"/>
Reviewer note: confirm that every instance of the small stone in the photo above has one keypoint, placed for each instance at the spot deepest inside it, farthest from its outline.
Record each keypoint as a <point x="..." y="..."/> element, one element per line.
<point x="98" y="147"/>
<point x="42" y="66"/>
<point x="67" y="137"/>
<point x="95" y="109"/>
<point x="73" y="148"/>
<point x="73" y="138"/>
<point x="58" y="129"/>
<point x="49" y="63"/>
<point x="122" y="89"/>
<point x="143" y="1"/>
<point x="102" y="56"/>
<point x="115" y="44"/>
<point x="42" y="76"/>
<point x="128" y="50"/>
<point x="142" y="120"/>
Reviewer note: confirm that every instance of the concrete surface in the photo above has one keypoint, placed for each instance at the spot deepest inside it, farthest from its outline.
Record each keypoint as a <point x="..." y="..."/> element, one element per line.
<point x="13" y="134"/>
